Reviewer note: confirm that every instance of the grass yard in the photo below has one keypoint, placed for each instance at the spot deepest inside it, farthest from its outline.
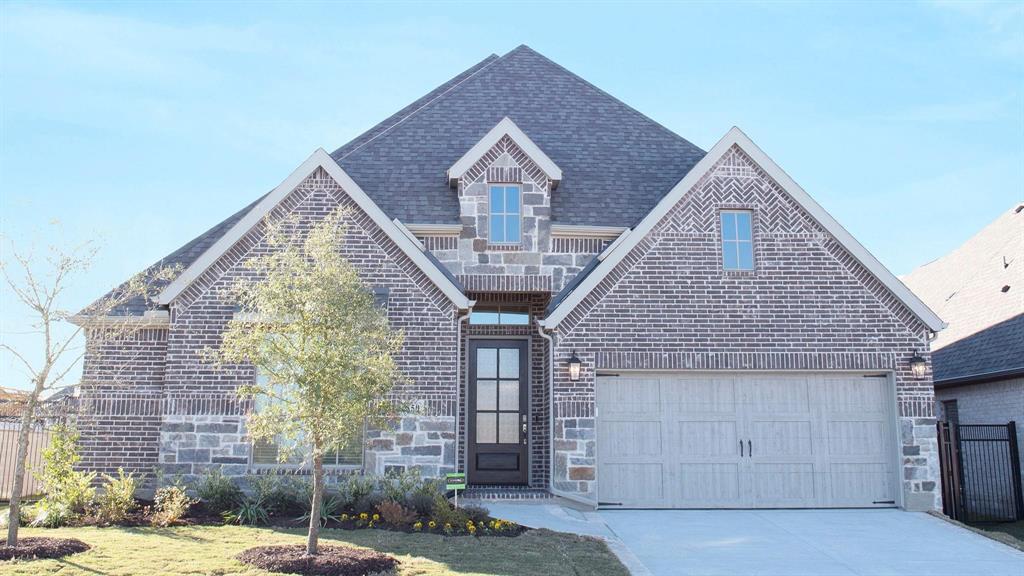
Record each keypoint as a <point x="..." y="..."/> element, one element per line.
<point x="1010" y="533"/>
<point x="211" y="550"/>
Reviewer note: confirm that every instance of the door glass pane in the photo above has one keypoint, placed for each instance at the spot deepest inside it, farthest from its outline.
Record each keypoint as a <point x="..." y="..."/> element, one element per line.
<point x="486" y="428"/>
<point x="486" y="395"/>
<point x="508" y="428"/>
<point x="509" y="363"/>
<point x="486" y="362"/>
<point x="509" y="395"/>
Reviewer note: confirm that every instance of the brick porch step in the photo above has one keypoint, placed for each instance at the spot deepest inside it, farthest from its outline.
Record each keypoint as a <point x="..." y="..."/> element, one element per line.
<point x="504" y="493"/>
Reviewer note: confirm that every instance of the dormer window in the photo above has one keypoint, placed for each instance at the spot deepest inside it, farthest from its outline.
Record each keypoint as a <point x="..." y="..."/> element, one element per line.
<point x="505" y="214"/>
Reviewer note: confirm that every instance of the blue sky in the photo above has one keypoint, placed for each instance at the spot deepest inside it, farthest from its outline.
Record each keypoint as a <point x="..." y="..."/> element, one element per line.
<point x="143" y="124"/>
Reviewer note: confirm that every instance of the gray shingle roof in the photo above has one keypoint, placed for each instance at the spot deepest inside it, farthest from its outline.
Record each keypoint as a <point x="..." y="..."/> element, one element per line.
<point x="616" y="162"/>
<point x="966" y="289"/>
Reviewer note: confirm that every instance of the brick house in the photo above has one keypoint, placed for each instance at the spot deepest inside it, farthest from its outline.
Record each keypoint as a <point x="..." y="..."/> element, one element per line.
<point x="593" y="307"/>
<point x="979" y="358"/>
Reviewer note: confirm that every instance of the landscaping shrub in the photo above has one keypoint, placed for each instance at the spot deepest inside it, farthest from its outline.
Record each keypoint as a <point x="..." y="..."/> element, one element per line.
<point x="476" y="513"/>
<point x="281" y="494"/>
<point x="421" y="502"/>
<point x="68" y="493"/>
<point x="396" y="486"/>
<point x="368" y="503"/>
<point x="251" y="512"/>
<point x="395" y="514"/>
<point x="446" y="516"/>
<point x="329" y="509"/>
<point x="170" y="504"/>
<point x="218" y="493"/>
<point x="117" y="499"/>
<point x="354" y="489"/>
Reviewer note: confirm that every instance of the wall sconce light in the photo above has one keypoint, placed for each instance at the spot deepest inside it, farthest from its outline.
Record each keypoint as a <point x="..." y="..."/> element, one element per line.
<point x="918" y="365"/>
<point x="575" y="364"/>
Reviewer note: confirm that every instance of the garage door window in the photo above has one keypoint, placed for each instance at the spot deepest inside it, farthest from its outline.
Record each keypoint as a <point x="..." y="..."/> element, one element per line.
<point x="737" y="240"/>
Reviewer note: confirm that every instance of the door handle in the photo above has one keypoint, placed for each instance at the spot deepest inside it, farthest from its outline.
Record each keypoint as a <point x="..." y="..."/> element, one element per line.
<point x="741" y="448"/>
<point x="750" y="449"/>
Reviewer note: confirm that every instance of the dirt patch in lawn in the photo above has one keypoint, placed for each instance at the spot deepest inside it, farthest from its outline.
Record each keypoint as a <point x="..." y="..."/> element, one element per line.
<point x="331" y="561"/>
<point x="38" y="547"/>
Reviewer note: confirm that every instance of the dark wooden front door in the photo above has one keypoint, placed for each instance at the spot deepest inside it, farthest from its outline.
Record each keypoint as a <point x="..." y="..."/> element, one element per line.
<point x="498" y="408"/>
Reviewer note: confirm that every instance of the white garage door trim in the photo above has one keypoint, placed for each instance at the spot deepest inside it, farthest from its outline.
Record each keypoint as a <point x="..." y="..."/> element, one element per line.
<point x="684" y="440"/>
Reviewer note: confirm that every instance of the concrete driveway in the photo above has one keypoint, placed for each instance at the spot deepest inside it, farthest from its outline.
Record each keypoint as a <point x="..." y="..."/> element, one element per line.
<point x="780" y="542"/>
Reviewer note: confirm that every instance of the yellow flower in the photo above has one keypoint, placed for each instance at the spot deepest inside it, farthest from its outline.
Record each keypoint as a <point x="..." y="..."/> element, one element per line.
<point x="472" y="529"/>
<point x="432" y="524"/>
<point x="417" y="526"/>
<point x="376" y="517"/>
<point x="363" y="516"/>
<point x="344" y="517"/>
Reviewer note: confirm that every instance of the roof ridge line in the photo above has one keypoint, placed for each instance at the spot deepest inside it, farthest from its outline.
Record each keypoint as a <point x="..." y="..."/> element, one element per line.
<point x="601" y="91"/>
<point x="425" y="104"/>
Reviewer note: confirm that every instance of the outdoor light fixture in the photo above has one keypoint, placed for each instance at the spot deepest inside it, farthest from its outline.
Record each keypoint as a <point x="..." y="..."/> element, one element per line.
<point x="918" y="365"/>
<point x="574" y="366"/>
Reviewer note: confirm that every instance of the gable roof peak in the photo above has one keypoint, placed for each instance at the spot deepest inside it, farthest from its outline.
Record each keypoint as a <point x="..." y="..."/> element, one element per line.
<point x="506" y="127"/>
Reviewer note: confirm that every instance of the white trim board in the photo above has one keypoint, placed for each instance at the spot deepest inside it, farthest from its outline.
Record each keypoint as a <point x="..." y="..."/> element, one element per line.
<point x="582" y="231"/>
<point x="505" y="127"/>
<point x="319" y="159"/>
<point x="736" y="137"/>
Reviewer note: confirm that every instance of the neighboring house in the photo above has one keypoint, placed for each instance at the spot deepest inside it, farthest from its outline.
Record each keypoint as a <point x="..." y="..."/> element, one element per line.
<point x="978" y="360"/>
<point x="592" y="306"/>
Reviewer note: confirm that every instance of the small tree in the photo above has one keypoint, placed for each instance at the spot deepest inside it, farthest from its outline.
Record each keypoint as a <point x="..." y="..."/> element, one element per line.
<point x="39" y="284"/>
<point x="322" y="347"/>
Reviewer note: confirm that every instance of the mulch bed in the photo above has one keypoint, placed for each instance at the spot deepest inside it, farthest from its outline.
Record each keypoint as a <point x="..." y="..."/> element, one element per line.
<point x="331" y="561"/>
<point x="37" y="548"/>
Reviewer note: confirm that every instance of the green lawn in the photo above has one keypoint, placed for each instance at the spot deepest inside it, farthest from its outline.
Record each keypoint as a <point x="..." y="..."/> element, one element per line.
<point x="210" y="550"/>
<point x="1011" y="533"/>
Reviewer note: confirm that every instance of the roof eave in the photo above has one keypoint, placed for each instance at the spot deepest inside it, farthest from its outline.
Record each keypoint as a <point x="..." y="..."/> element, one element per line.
<point x="319" y="159"/>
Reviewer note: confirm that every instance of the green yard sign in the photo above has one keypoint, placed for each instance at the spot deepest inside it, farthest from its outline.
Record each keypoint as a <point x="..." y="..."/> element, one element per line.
<point x="455" y="481"/>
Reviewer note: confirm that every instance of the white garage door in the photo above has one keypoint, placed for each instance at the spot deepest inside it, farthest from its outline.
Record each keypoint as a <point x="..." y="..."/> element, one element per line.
<point x="794" y="440"/>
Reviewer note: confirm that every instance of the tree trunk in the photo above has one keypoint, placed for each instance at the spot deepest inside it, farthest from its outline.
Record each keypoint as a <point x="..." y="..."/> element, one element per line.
<point x="318" y="498"/>
<point x="14" y="514"/>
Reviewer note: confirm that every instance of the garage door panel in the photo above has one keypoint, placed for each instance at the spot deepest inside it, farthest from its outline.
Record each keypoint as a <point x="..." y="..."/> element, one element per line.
<point x="856" y="484"/>
<point x="857" y="438"/>
<point x="630" y="396"/>
<point x="784" y="484"/>
<point x="707" y="439"/>
<point x="708" y="485"/>
<point x="636" y="485"/>
<point x="775" y="395"/>
<point x="630" y="439"/>
<point x="781" y="438"/>
<point x="706" y="394"/>
<point x="855" y="395"/>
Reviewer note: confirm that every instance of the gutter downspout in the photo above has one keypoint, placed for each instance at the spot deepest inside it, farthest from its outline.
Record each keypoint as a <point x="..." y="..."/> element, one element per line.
<point x="551" y="424"/>
<point x="458" y="383"/>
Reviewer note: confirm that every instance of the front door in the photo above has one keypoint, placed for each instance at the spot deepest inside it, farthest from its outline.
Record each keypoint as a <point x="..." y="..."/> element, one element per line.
<point x="498" y="407"/>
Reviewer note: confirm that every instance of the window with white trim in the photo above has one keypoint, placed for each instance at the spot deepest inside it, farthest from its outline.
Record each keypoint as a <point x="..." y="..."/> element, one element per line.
<point x="505" y="214"/>
<point x="737" y="240"/>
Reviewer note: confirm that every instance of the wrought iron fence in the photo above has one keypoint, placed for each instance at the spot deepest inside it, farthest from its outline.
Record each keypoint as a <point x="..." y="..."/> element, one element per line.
<point x="981" y="475"/>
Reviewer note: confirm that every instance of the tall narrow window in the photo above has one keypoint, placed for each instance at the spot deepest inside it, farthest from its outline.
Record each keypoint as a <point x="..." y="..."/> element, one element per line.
<point x="505" y="212"/>
<point x="737" y="240"/>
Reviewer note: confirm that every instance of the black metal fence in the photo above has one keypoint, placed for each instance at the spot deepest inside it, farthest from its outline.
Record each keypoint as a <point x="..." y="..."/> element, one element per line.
<point x="981" y="476"/>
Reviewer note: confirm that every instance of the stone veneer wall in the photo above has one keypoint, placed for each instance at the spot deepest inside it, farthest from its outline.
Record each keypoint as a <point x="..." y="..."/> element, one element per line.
<point x="808" y="306"/>
<point x="173" y="408"/>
